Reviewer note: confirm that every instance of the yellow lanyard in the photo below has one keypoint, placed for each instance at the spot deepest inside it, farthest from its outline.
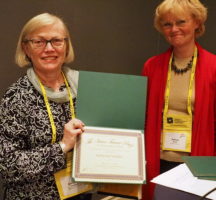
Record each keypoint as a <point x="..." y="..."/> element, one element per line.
<point x="167" y="92"/>
<point x="49" y="109"/>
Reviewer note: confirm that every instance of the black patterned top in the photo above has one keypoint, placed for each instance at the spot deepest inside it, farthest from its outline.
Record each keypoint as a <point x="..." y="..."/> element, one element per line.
<point x="28" y="160"/>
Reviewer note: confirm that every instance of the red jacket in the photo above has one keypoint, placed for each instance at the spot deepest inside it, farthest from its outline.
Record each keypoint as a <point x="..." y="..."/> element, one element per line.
<point x="204" y="119"/>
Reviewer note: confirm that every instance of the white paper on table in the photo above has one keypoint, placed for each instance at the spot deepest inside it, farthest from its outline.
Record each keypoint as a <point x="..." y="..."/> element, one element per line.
<point x="181" y="178"/>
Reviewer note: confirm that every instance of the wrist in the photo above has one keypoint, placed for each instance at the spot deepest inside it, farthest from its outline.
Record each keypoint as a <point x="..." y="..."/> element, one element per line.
<point x="63" y="146"/>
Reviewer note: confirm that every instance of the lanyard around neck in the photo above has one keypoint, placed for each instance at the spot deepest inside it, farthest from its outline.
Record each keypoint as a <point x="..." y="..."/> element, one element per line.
<point x="167" y="92"/>
<point x="49" y="108"/>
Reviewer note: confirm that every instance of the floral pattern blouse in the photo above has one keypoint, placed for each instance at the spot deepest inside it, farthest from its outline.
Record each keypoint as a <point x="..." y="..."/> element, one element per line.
<point x="28" y="160"/>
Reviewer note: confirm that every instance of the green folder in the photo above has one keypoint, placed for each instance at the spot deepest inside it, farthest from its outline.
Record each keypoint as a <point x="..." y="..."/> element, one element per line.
<point x="203" y="167"/>
<point x="111" y="100"/>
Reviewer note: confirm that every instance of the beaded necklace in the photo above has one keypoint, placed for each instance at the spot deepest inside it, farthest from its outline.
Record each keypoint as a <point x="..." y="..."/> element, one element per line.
<point x="182" y="70"/>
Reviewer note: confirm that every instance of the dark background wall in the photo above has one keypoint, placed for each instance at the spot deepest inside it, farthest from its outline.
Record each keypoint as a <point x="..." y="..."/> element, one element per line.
<point x="114" y="36"/>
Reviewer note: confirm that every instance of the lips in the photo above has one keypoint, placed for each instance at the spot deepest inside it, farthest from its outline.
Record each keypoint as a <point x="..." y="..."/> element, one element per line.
<point x="49" y="58"/>
<point x="176" y="35"/>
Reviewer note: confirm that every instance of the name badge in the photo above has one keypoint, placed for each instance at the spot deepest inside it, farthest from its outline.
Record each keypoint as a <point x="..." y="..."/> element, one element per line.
<point x="176" y="141"/>
<point x="65" y="185"/>
<point x="177" y="133"/>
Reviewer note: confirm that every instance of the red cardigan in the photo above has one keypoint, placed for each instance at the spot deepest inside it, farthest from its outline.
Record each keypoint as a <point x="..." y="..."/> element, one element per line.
<point x="204" y="119"/>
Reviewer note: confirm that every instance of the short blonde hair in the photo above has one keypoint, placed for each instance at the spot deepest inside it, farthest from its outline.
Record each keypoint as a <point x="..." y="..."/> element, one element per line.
<point x="177" y="7"/>
<point x="33" y="24"/>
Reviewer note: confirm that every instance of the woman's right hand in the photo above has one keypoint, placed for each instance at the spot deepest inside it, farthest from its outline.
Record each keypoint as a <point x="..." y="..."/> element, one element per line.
<point x="71" y="130"/>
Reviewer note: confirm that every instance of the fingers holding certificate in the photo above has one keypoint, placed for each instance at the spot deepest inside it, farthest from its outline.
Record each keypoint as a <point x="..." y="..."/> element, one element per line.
<point x="109" y="155"/>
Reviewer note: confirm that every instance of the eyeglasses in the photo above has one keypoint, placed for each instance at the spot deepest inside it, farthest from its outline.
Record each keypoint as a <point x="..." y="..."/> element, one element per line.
<point x="42" y="43"/>
<point x="178" y="23"/>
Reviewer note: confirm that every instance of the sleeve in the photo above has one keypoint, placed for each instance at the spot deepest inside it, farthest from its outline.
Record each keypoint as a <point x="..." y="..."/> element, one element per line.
<point x="215" y="139"/>
<point x="18" y="162"/>
<point x="215" y="113"/>
<point x="145" y="72"/>
<point x="214" y="102"/>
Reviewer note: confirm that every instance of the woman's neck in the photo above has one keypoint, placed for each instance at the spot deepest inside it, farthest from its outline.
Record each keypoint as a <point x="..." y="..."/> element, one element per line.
<point x="52" y="80"/>
<point x="185" y="51"/>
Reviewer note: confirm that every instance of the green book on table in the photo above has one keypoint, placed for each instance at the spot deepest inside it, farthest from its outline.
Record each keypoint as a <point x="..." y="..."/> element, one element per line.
<point x="202" y="167"/>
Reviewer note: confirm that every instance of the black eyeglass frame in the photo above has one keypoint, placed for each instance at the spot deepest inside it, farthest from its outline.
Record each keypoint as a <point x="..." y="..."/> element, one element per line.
<point x="46" y="41"/>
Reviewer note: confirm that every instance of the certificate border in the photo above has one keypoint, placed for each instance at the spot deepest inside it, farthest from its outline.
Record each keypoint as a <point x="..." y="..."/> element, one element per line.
<point x="87" y="177"/>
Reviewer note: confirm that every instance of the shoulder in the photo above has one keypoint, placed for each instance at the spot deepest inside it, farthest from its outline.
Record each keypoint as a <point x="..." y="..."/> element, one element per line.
<point x="205" y="55"/>
<point x="206" y="60"/>
<point x="21" y="84"/>
<point x="160" y="57"/>
<point x="17" y="90"/>
<point x="157" y="61"/>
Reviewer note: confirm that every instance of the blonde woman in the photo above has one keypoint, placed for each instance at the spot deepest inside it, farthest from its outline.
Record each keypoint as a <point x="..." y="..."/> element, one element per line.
<point x="181" y="90"/>
<point x="38" y="125"/>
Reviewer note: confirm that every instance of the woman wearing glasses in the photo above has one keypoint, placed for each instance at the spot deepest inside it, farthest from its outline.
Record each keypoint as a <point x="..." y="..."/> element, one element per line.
<point x="181" y="91"/>
<point x="38" y="125"/>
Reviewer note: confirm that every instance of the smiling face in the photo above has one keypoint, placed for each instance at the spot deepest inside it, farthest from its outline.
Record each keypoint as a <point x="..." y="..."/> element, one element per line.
<point x="46" y="59"/>
<point x="179" y="30"/>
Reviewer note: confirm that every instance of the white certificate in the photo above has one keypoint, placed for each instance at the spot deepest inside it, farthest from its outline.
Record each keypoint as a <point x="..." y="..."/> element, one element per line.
<point x="109" y="155"/>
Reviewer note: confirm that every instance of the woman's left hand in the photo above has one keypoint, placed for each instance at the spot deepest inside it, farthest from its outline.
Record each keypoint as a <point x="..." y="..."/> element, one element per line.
<point x="71" y="130"/>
